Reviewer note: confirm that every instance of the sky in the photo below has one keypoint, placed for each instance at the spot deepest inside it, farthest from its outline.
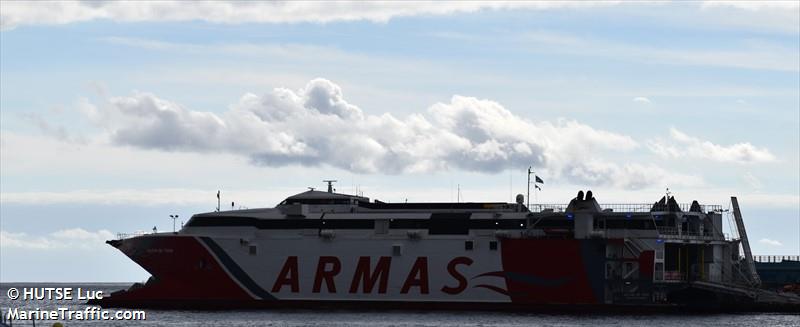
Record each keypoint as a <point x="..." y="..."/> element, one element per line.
<point x="115" y="115"/>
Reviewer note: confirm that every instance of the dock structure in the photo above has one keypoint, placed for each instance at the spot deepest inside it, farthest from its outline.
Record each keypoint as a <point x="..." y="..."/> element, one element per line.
<point x="755" y="280"/>
<point x="778" y="271"/>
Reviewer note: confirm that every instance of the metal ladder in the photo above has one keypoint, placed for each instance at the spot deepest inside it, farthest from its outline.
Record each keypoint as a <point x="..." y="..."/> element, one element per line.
<point x="748" y="255"/>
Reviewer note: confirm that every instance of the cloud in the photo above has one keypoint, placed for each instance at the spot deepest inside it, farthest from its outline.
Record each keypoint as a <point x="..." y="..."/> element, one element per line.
<point x="75" y="238"/>
<point x="778" y="15"/>
<point x="630" y="176"/>
<point x="770" y="242"/>
<point x="641" y="100"/>
<point x="316" y="125"/>
<point x="16" y="13"/>
<point x="683" y="145"/>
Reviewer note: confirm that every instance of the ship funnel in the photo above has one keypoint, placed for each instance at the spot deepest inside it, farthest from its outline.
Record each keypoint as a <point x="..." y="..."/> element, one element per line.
<point x="580" y="196"/>
<point x="520" y="199"/>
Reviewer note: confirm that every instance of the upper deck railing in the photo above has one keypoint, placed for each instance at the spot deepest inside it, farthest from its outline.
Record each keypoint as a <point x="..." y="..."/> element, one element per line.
<point x="775" y="258"/>
<point x="677" y="233"/>
<point x="627" y="207"/>
<point x="122" y="236"/>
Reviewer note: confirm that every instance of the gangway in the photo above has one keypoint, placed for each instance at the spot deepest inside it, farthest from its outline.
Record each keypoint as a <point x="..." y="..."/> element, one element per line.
<point x="755" y="280"/>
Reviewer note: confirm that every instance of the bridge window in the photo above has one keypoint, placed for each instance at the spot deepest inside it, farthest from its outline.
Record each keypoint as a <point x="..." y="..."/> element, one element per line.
<point x="253" y="250"/>
<point x="493" y="245"/>
<point x="318" y="201"/>
<point x="449" y="224"/>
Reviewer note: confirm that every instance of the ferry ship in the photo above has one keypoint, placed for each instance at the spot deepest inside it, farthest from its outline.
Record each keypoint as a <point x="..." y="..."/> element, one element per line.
<point x="329" y="249"/>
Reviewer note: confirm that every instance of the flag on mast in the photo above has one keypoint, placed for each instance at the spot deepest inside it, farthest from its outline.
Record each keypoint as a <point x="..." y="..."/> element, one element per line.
<point x="537" y="187"/>
<point x="539" y="180"/>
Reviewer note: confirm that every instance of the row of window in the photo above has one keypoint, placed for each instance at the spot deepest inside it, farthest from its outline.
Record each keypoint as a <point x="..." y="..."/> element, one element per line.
<point x="317" y="201"/>
<point x="438" y="224"/>
<point x="624" y="224"/>
<point x="397" y="250"/>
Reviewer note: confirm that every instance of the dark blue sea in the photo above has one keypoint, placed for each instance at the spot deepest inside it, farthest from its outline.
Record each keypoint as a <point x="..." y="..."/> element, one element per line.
<point x="350" y="318"/>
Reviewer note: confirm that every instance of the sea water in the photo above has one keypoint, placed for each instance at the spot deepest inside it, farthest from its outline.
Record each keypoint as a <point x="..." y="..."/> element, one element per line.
<point x="349" y="318"/>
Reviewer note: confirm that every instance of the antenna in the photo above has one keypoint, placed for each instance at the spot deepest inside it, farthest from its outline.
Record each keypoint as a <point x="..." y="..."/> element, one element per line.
<point x="330" y="184"/>
<point x="451" y="190"/>
<point x="529" y="186"/>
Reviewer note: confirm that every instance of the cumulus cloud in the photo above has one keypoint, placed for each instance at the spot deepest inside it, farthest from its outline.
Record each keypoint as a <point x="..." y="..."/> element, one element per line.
<point x="17" y="13"/>
<point x="770" y="242"/>
<point x="641" y="100"/>
<point x="628" y="176"/>
<point x="683" y="145"/>
<point x="75" y="238"/>
<point x="316" y="125"/>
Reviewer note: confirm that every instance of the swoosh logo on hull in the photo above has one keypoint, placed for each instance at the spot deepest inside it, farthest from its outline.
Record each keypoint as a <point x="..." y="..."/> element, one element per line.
<point x="493" y="288"/>
<point x="238" y="273"/>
